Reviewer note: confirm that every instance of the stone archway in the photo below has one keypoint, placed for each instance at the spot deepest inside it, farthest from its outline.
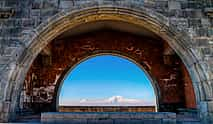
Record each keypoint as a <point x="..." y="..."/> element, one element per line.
<point x="153" y="55"/>
<point x="67" y="20"/>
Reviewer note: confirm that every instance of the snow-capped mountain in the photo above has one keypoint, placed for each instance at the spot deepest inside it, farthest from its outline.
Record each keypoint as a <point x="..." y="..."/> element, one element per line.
<point x="112" y="101"/>
<point x="121" y="99"/>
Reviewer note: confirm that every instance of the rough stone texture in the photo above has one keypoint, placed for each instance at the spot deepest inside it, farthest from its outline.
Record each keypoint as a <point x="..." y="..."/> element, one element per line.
<point x="109" y="118"/>
<point x="21" y="20"/>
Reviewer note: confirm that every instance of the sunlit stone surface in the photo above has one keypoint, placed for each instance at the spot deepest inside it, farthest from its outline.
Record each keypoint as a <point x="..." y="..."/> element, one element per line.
<point x="109" y="118"/>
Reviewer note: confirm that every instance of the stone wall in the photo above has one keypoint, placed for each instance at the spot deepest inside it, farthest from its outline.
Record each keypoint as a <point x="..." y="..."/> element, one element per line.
<point x="108" y="118"/>
<point x="19" y="20"/>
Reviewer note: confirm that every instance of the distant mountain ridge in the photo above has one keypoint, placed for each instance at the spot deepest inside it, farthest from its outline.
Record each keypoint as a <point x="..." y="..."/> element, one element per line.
<point x="111" y="101"/>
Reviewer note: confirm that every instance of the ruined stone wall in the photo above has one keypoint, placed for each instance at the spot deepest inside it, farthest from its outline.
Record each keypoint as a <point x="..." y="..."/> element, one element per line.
<point x="18" y="18"/>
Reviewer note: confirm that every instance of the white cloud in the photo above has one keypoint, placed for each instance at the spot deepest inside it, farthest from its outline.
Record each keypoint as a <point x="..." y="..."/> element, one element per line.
<point x="112" y="101"/>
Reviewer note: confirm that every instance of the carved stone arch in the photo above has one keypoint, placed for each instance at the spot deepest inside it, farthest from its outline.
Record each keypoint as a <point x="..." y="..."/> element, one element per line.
<point x="67" y="20"/>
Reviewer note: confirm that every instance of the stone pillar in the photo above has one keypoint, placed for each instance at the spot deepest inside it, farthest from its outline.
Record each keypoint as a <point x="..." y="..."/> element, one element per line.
<point x="206" y="112"/>
<point x="4" y="111"/>
<point x="1" y="111"/>
<point x="210" y="110"/>
<point x="206" y="104"/>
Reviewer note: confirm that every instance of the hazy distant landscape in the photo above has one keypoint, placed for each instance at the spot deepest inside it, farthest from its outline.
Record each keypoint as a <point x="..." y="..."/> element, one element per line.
<point x="95" y="83"/>
<point x="112" y="101"/>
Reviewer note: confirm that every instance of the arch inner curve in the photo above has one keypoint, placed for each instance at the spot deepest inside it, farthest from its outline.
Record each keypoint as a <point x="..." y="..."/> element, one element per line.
<point x="107" y="80"/>
<point x="157" y="58"/>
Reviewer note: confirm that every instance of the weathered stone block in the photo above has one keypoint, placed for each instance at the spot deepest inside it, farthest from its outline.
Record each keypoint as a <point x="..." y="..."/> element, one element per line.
<point x="58" y="116"/>
<point x="175" y="13"/>
<point x="89" y="116"/>
<point x="28" y="23"/>
<point x="181" y="23"/>
<point x="203" y="107"/>
<point x="128" y="121"/>
<point x="1" y="106"/>
<point x="168" y="121"/>
<point x="3" y="117"/>
<point x="36" y="13"/>
<point x="194" y="22"/>
<point x="210" y="106"/>
<point x="75" y="121"/>
<point x="195" y="4"/>
<point x="12" y="3"/>
<point x="100" y="121"/>
<point x="210" y="31"/>
<point x="65" y="4"/>
<point x="202" y="32"/>
<point x="205" y="22"/>
<point x="208" y="90"/>
<point x="6" y="107"/>
<point x="152" y="121"/>
<point x="139" y="116"/>
<point x="48" y="121"/>
<point x="170" y="115"/>
<point x="120" y="115"/>
<point x="2" y="88"/>
<point x="50" y="4"/>
<point x="174" y="5"/>
<point x="37" y="4"/>
<point x="48" y="12"/>
<point x="45" y="116"/>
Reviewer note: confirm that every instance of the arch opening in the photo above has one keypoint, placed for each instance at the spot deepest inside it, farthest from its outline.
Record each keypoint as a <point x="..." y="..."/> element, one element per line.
<point x="107" y="80"/>
<point x="154" y="55"/>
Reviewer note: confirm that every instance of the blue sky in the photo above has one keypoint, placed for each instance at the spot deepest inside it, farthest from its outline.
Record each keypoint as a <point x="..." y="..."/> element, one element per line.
<point x="103" y="77"/>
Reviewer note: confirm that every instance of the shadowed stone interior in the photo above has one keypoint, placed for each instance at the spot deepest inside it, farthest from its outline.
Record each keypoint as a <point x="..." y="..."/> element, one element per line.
<point x="167" y="72"/>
